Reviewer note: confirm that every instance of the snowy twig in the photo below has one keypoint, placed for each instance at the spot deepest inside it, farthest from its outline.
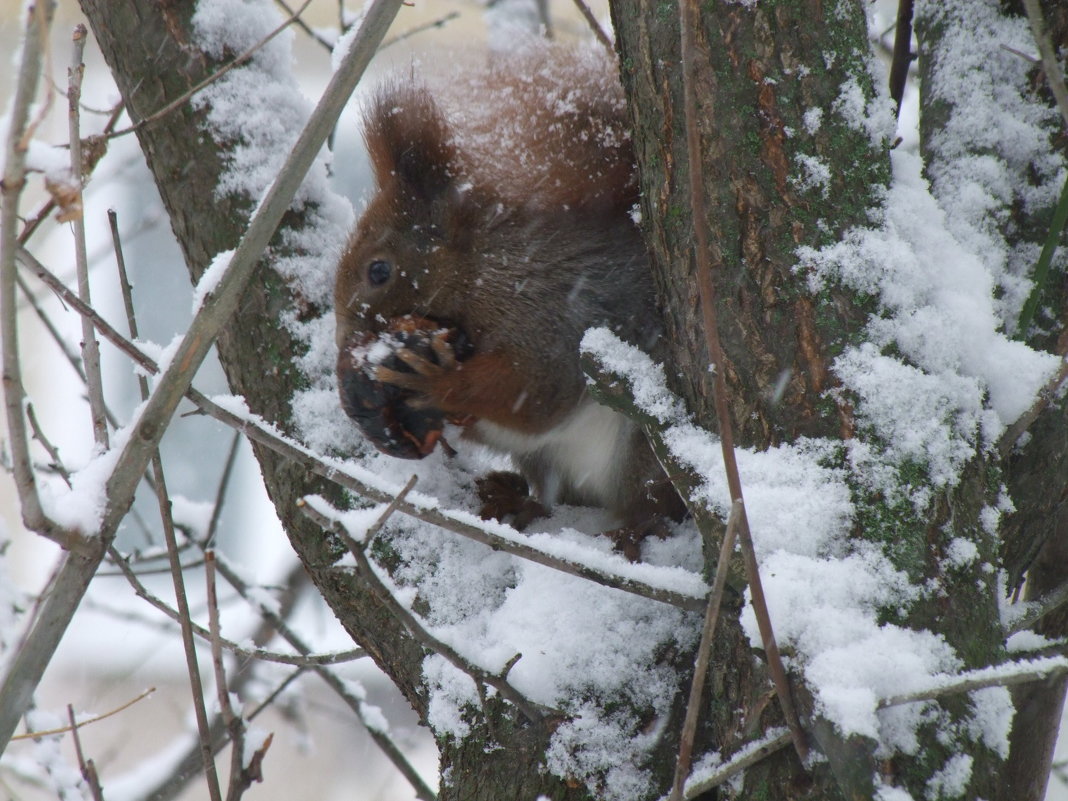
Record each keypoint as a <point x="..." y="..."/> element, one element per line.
<point x="704" y="654"/>
<point x="899" y="66"/>
<point x="204" y="84"/>
<point x="595" y="26"/>
<point x="90" y="347"/>
<point x="374" y="528"/>
<point x="87" y="767"/>
<point x="747" y="756"/>
<point x="367" y="572"/>
<point x="997" y="676"/>
<point x="33" y="735"/>
<point x="1046" y="396"/>
<point x="689" y="23"/>
<point x="1036" y="610"/>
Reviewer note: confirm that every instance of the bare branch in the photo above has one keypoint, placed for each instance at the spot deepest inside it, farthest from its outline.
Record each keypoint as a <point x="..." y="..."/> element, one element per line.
<point x="25" y="670"/>
<point x="90" y="348"/>
<point x="339" y="686"/>
<point x="704" y="655"/>
<point x="87" y="768"/>
<point x="899" y="66"/>
<point x="1036" y="610"/>
<point x="305" y="659"/>
<point x="748" y="756"/>
<point x="595" y="26"/>
<point x="1050" y="65"/>
<point x="39" y="18"/>
<point x="416" y="629"/>
<point x="982" y="678"/>
<point x="689" y="21"/>
<point x="33" y="735"/>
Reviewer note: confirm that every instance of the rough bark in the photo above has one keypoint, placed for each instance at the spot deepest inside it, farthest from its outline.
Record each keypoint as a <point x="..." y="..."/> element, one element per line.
<point x="759" y="70"/>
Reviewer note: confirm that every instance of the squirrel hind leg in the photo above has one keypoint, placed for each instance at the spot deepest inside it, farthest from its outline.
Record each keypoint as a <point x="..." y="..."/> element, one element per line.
<point x="507" y="495"/>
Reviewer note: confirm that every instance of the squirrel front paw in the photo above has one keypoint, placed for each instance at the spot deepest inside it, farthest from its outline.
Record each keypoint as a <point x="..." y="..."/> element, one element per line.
<point x="386" y="380"/>
<point x="505" y="495"/>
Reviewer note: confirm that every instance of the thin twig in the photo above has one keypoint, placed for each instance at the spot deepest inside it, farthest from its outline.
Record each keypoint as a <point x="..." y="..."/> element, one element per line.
<point x="294" y="17"/>
<point x="1036" y="610"/>
<point x="33" y="735"/>
<point x="689" y="20"/>
<point x="704" y="655"/>
<point x="235" y="726"/>
<point x="90" y="347"/>
<point x="306" y="659"/>
<point x="1050" y="65"/>
<point x="374" y="528"/>
<point x="237" y="62"/>
<point x="87" y="768"/>
<point x="416" y="629"/>
<point x="595" y="26"/>
<point x="899" y="66"/>
<point x="440" y="22"/>
<point x="50" y="449"/>
<point x="221" y="490"/>
<point x="1046" y="396"/>
<point x="185" y="622"/>
<point x="24" y="671"/>
<point x="456" y="522"/>
<point x="39" y="18"/>
<point x="381" y="738"/>
<point x="748" y="756"/>
<point x="1035" y="670"/>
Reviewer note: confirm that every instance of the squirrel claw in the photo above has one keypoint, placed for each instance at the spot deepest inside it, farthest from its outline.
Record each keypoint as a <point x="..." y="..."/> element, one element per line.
<point x="413" y="381"/>
<point x="422" y="366"/>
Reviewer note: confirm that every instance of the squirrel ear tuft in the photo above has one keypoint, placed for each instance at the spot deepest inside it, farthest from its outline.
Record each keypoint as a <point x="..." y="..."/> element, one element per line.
<point x="408" y="141"/>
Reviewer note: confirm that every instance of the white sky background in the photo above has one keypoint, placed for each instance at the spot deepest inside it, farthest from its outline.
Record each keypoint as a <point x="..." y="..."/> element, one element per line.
<point x="102" y="664"/>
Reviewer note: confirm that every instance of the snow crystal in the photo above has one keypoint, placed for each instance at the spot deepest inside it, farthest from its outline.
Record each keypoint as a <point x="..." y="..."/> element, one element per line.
<point x="992" y="151"/>
<point x="815" y="174"/>
<point x="961" y="552"/>
<point x="951" y="781"/>
<point x="210" y="278"/>
<point x="991" y="719"/>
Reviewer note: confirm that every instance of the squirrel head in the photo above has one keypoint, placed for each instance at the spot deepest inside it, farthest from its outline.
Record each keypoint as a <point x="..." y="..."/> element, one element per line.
<point x="408" y="252"/>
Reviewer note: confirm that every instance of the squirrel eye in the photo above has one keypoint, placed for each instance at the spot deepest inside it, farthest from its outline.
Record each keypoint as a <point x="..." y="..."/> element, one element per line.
<point x="378" y="272"/>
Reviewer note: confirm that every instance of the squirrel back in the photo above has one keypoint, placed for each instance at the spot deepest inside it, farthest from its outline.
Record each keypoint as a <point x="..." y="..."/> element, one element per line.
<point x="503" y="209"/>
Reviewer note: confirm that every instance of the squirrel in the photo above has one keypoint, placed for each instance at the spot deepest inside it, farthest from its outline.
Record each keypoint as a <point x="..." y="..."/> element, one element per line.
<point x="511" y="220"/>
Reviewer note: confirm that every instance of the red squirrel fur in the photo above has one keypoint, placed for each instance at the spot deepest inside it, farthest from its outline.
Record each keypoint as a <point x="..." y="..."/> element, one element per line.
<point x="511" y="221"/>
